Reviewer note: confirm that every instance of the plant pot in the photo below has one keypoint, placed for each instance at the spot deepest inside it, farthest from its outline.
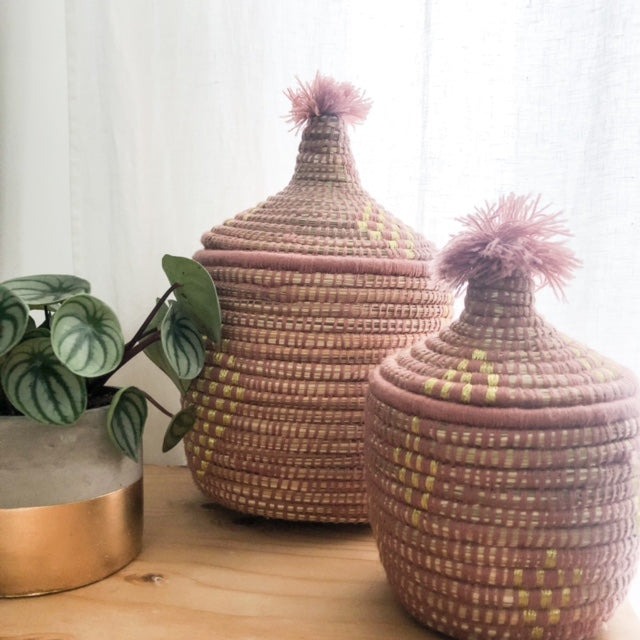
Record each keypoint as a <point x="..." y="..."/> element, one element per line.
<point x="70" y="505"/>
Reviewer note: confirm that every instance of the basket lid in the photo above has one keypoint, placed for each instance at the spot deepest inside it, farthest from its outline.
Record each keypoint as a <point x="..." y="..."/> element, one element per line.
<point x="500" y="353"/>
<point x="323" y="214"/>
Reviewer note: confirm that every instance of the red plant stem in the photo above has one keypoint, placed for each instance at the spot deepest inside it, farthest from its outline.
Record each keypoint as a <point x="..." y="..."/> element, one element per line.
<point x="155" y="403"/>
<point x="47" y="317"/>
<point x="138" y="343"/>
<point x="143" y="327"/>
<point x="130" y="352"/>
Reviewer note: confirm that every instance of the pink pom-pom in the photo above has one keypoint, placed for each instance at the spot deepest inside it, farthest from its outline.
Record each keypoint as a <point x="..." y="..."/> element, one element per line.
<point x="508" y="238"/>
<point x="326" y="96"/>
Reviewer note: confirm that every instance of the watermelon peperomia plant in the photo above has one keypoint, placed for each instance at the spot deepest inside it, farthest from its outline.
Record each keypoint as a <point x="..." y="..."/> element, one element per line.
<point x="53" y="372"/>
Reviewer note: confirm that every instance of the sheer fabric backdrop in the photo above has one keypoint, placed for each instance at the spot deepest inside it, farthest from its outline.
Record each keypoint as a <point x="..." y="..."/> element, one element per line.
<point x="129" y="127"/>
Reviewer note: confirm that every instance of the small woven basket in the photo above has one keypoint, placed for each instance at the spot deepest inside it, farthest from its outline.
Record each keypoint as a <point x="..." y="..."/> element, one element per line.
<point x="501" y="456"/>
<point x="317" y="285"/>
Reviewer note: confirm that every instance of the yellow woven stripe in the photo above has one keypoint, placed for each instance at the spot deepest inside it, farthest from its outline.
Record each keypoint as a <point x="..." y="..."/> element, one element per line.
<point x="444" y="392"/>
<point x="537" y="633"/>
<point x="523" y="598"/>
<point x="479" y="354"/>
<point x="486" y="367"/>
<point x="518" y="576"/>
<point x="551" y="559"/>
<point x="545" y="598"/>
<point x="429" y="384"/>
<point x="466" y="393"/>
<point x="585" y="363"/>
<point x="554" y="616"/>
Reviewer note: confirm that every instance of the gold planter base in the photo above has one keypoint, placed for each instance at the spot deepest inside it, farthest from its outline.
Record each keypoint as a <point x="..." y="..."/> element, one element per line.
<point x="60" y="547"/>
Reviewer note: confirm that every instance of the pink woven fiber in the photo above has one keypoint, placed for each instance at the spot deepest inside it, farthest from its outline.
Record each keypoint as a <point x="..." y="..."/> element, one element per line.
<point x="317" y="285"/>
<point x="500" y="455"/>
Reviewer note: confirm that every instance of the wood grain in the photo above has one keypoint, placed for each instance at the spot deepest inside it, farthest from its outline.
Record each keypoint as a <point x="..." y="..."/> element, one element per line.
<point x="206" y="572"/>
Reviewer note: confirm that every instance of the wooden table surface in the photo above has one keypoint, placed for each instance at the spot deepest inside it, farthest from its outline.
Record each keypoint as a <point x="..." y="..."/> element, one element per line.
<point x="206" y="572"/>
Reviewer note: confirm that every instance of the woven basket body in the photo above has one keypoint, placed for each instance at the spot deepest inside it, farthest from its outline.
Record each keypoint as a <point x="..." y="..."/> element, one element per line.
<point x="500" y="461"/>
<point x="317" y="284"/>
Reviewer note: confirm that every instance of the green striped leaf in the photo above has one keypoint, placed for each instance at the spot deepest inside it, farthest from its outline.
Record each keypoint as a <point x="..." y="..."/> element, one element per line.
<point x="180" y="425"/>
<point x="125" y="420"/>
<point x="87" y="337"/>
<point x="182" y="342"/>
<point x="37" y="332"/>
<point x="31" y="325"/>
<point x="40" y="386"/>
<point x="14" y="318"/>
<point x="196" y="292"/>
<point x="155" y="353"/>
<point x="38" y="291"/>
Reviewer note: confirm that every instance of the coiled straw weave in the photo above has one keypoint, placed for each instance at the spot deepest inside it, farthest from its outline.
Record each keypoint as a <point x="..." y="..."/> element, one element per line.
<point x="317" y="285"/>
<point x="501" y="458"/>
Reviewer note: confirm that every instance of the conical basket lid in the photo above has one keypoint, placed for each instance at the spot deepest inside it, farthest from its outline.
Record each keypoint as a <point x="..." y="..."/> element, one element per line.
<point x="500" y="353"/>
<point x="323" y="212"/>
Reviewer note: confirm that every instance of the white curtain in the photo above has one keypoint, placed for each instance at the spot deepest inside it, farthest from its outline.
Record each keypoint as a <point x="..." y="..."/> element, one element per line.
<point x="129" y="127"/>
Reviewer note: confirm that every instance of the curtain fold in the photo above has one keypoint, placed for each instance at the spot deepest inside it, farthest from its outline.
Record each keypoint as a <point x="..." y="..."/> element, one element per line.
<point x="129" y="127"/>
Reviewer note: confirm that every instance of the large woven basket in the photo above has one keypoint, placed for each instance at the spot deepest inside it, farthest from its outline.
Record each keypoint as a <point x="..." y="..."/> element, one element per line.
<point x="317" y="284"/>
<point x="501" y="455"/>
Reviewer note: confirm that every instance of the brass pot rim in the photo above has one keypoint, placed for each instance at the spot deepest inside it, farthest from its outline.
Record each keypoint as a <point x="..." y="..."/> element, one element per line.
<point x="54" y="548"/>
